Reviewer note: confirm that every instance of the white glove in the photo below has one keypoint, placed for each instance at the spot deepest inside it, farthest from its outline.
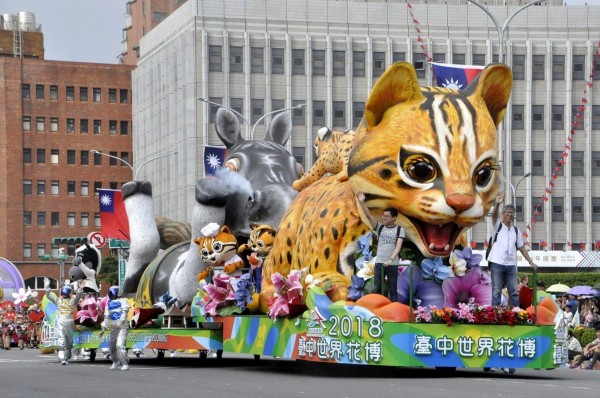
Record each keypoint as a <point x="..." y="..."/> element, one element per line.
<point x="46" y="283"/>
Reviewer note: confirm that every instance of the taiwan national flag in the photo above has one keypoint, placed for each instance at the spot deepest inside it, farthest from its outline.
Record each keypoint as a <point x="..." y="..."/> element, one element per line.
<point x="456" y="77"/>
<point x="214" y="159"/>
<point x="113" y="216"/>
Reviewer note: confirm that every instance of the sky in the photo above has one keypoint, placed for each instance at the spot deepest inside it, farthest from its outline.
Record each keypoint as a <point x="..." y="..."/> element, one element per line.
<point x="89" y="30"/>
<point x="76" y="30"/>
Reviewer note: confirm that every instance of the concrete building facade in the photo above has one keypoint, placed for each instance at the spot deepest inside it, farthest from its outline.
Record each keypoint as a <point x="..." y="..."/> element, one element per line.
<point x="52" y="115"/>
<point x="259" y="55"/>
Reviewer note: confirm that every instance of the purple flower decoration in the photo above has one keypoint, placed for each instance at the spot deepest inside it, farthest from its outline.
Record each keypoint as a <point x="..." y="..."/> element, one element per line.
<point x="355" y="291"/>
<point x="473" y="288"/>
<point x="466" y="254"/>
<point x="243" y="291"/>
<point x="425" y="292"/>
<point x="435" y="269"/>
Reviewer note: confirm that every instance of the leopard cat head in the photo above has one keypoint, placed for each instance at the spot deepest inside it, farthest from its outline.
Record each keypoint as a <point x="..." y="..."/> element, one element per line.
<point x="432" y="153"/>
<point x="215" y="250"/>
<point x="261" y="239"/>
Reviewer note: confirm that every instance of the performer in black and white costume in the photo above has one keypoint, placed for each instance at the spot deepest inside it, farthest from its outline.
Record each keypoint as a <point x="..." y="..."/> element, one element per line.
<point x="115" y="319"/>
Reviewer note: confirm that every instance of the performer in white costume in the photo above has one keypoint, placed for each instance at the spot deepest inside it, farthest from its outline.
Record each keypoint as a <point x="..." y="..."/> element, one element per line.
<point x="64" y="318"/>
<point x="115" y="319"/>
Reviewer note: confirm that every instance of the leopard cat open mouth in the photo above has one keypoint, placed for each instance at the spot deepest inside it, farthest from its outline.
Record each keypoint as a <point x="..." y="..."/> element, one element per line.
<point x="438" y="239"/>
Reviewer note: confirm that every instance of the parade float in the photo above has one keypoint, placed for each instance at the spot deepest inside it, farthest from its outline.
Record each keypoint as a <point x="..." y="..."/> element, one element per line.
<point x="303" y="290"/>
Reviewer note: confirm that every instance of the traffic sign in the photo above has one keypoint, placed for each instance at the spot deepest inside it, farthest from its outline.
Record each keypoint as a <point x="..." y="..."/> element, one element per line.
<point x="96" y="239"/>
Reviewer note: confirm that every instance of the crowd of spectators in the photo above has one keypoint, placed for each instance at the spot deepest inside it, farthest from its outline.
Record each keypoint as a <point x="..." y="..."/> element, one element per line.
<point x="17" y="329"/>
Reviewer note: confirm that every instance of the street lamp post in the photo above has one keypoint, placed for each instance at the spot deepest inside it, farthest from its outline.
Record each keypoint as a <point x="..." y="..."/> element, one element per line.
<point x="135" y="171"/>
<point x="226" y="107"/>
<point x="300" y="106"/>
<point x="515" y="187"/>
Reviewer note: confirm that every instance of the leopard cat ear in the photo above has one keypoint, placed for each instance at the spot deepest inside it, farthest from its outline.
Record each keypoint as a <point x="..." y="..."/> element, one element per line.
<point x="492" y="86"/>
<point x="398" y="84"/>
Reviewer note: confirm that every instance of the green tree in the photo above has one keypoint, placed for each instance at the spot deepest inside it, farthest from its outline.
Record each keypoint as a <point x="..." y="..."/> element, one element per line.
<point x="109" y="272"/>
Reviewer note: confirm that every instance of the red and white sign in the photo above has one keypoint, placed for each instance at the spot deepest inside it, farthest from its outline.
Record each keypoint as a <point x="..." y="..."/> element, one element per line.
<point x="96" y="239"/>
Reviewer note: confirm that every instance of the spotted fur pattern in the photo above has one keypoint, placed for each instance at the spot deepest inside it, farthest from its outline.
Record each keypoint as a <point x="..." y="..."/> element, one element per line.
<point x="333" y="149"/>
<point x="429" y="152"/>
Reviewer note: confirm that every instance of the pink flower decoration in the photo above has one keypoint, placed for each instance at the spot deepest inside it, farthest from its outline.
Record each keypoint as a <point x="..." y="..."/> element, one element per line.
<point x="289" y="291"/>
<point x="90" y="309"/>
<point x="219" y="294"/>
<point x="474" y="287"/>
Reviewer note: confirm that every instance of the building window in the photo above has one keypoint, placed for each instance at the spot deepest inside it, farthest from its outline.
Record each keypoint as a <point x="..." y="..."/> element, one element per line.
<point x="595" y="117"/>
<point x="112" y="127"/>
<point x="558" y="67"/>
<point x="277" y="61"/>
<point x="518" y="67"/>
<point x="398" y="56"/>
<point x="85" y="188"/>
<point x="41" y="155"/>
<point x="479" y="59"/>
<point x="298" y="61"/>
<point x="458" y="59"/>
<point x="26" y="218"/>
<point x="54" y="93"/>
<point x="595" y="163"/>
<point x="578" y="67"/>
<point x="298" y="153"/>
<point x="27" y="250"/>
<point x="358" y="110"/>
<point x="257" y="60"/>
<point x="112" y="161"/>
<point x="358" y="63"/>
<point x="298" y="115"/>
<point x="83" y="126"/>
<point x="41" y="187"/>
<point x="70" y="91"/>
<point x="339" y="114"/>
<point x="84" y="157"/>
<point x="558" y="214"/>
<point x="318" y="113"/>
<point x="214" y="108"/>
<point x="595" y="209"/>
<point x="318" y="62"/>
<point x="537" y="117"/>
<point x="237" y="105"/>
<point x="124" y="127"/>
<point x="54" y="219"/>
<point x="41" y="218"/>
<point x="97" y="126"/>
<point x="577" y="122"/>
<point x="26" y="123"/>
<point x="40" y="124"/>
<point x="378" y="63"/>
<point x="258" y="109"/>
<point x="419" y="64"/>
<point x="519" y="215"/>
<point x="538" y="67"/>
<point x="113" y="185"/>
<point x="70" y="125"/>
<point x="26" y="155"/>
<point x="54" y="187"/>
<point x="85" y="219"/>
<point x="124" y="158"/>
<point x="70" y="156"/>
<point x="97" y="220"/>
<point x="83" y="94"/>
<point x="71" y="188"/>
<point x="97" y="94"/>
<point x="123" y="96"/>
<point x="277" y="104"/>
<point x="27" y="187"/>
<point x="97" y="186"/>
<point x="54" y="156"/>
<point x="97" y="159"/>
<point x="26" y="91"/>
<point x="537" y="207"/>
<point x="557" y="168"/>
<point x="537" y="163"/>
<point x="71" y="219"/>
<point x="558" y="117"/>
<point x="577" y="209"/>
<point x="215" y="59"/>
<point x="518" y="117"/>
<point x="39" y="91"/>
<point x="577" y="165"/>
<point x="339" y="63"/>
<point x="236" y="59"/>
<point x="112" y="95"/>
<point x="54" y="124"/>
<point x="517" y="163"/>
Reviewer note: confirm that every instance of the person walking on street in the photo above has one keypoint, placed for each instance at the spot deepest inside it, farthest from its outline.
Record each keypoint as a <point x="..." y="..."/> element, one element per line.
<point x="64" y="318"/>
<point x="389" y="243"/>
<point x="115" y="319"/>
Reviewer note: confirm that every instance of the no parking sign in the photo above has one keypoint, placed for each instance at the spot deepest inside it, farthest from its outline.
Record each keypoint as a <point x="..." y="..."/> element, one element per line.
<point x="96" y="239"/>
